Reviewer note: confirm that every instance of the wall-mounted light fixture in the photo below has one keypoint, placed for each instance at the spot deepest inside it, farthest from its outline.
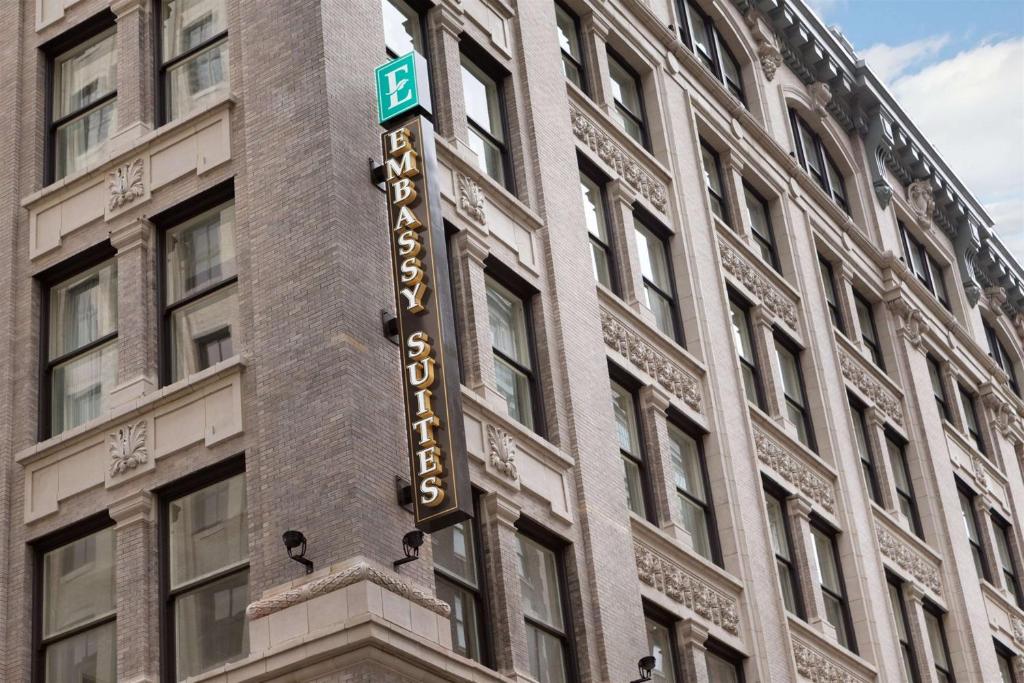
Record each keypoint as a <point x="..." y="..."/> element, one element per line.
<point x="295" y="543"/>
<point x="646" y="667"/>
<point x="411" y="543"/>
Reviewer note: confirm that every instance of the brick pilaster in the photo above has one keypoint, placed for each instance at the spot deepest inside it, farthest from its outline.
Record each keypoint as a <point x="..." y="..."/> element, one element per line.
<point x="136" y="310"/>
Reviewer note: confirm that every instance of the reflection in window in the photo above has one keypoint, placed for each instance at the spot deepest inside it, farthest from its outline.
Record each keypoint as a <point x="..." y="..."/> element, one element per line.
<point x="629" y="109"/>
<point x="194" y="57"/>
<point x="624" y="408"/>
<point x="511" y="344"/>
<point x="485" y="118"/>
<point x="594" y="212"/>
<point x="540" y="585"/>
<point x="569" y="44"/>
<point x="457" y="578"/>
<point x="403" y="28"/>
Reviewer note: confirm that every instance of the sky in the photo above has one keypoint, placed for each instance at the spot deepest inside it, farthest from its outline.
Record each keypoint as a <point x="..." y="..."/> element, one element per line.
<point x="957" y="69"/>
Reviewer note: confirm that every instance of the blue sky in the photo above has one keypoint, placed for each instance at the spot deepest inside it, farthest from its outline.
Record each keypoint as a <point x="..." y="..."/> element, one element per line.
<point x="957" y="68"/>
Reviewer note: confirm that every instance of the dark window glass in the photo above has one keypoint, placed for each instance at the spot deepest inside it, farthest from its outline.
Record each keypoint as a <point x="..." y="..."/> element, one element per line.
<point x="744" y="339"/>
<point x="923" y="265"/>
<point x="656" y="271"/>
<point x="778" y="526"/>
<point x="973" y="535"/>
<point x="933" y="619"/>
<point x="969" y="404"/>
<point x="628" y="96"/>
<point x="904" y="487"/>
<point x="792" y="381"/>
<point x="569" y="43"/>
<point x="1005" y="545"/>
<point x="1001" y="356"/>
<point x="627" y="428"/>
<point x="868" y="330"/>
<point x="543" y="595"/>
<point x="899" y="613"/>
<point x="830" y="579"/>
<point x="818" y="162"/>
<point x="1005" y="659"/>
<point x="828" y="280"/>
<point x="938" y="388"/>
<point x="713" y="181"/>
<point x="403" y="28"/>
<point x="867" y="455"/>
<point x="458" y="577"/>
<point x="689" y="473"/>
<point x="723" y="666"/>
<point x="194" y="66"/>
<point x="485" y="116"/>
<point x="596" y="215"/>
<point x="701" y="35"/>
<point x="512" y="345"/>
<point x="761" y="226"/>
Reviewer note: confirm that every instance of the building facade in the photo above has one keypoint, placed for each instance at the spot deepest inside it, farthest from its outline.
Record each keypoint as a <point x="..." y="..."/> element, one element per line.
<point x="738" y="351"/>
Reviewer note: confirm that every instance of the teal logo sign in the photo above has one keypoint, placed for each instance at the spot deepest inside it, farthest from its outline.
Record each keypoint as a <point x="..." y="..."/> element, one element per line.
<point x="398" y="86"/>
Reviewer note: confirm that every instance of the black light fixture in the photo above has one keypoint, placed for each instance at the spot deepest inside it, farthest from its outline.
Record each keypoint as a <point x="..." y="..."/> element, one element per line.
<point x="411" y="543"/>
<point x="646" y="666"/>
<point x="293" y="540"/>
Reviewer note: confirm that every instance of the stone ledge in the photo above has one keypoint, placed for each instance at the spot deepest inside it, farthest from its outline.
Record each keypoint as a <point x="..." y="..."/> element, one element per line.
<point x="821" y="660"/>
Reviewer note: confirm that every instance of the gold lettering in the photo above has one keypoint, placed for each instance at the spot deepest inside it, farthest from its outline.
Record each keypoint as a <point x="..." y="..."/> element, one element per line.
<point x="429" y="461"/>
<point x="423" y="407"/>
<point x="403" y="167"/>
<point x="407" y="219"/>
<point x="425" y="430"/>
<point x="403" y="191"/>
<point x="432" y="490"/>
<point x="414" y="297"/>
<point x="409" y="244"/>
<point x="399" y="141"/>
<point x="421" y="373"/>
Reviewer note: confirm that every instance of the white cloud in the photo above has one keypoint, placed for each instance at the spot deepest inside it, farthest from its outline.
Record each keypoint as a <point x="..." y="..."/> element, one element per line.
<point x="971" y="108"/>
<point x="823" y="7"/>
<point x="890" y="62"/>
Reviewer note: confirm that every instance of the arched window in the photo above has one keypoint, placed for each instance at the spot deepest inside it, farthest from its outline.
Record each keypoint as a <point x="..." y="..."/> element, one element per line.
<point x="702" y="37"/>
<point x="817" y="161"/>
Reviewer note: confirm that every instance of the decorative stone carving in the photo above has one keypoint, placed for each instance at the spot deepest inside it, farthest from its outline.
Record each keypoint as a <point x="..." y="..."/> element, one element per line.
<point x="686" y="589"/>
<point x="128" y="448"/>
<point x="883" y="398"/>
<point x="126" y="184"/>
<point x="767" y="49"/>
<point x="502" y="449"/>
<point x="471" y="198"/>
<point x="816" y="487"/>
<point x="613" y="155"/>
<point x="996" y="296"/>
<point x="1018" y="629"/>
<point x="922" y="201"/>
<point x="642" y="353"/>
<point x="818" y="668"/>
<point x="980" y="474"/>
<point x="361" y="571"/>
<point x="909" y="560"/>
<point x="772" y="298"/>
<point x="914" y="323"/>
<point x="821" y="95"/>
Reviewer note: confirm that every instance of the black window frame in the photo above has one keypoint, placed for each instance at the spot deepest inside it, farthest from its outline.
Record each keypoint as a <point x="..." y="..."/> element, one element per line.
<point x="164" y="222"/>
<point x="718" y="45"/>
<point x="781" y="496"/>
<point x="826" y="529"/>
<point x="1004" y="654"/>
<point x="909" y="496"/>
<point x="420" y="8"/>
<point x="835" y="309"/>
<point x="528" y="297"/>
<point x="821" y="154"/>
<point x="680" y="422"/>
<point x="1000" y="355"/>
<point x="768" y="243"/>
<point x="39" y="547"/>
<point x="941" y="400"/>
<point x="632" y="386"/>
<point x="641" y="120"/>
<point x="736" y="299"/>
<point x="909" y="651"/>
<point x="1011" y="574"/>
<point x="932" y="271"/>
<point x="978" y="552"/>
<point x="162" y="66"/>
<point x="969" y="402"/>
<point x="165" y="495"/>
<point x="600" y="180"/>
<point x="723" y="202"/>
<point x="667" y="621"/>
<point x="868" y="459"/>
<point x="480" y="58"/>
<point x="874" y="346"/>
<point x="940" y="617"/>
<point x="781" y="338"/>
<point x="663" y="235"/>
<point x="581" y="64"/>
<point x="727" y="654"/>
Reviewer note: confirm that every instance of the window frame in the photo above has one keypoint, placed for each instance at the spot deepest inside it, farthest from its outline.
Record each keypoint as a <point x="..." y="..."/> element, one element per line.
<point x="162" y="66"/>
<point x="1011" y="574"/>
<point x="816" y="523"/>
<point x="941" y="399"/>
<point x="421" y="13"/>
<point x="965" y="493"/>
<point x="676" y="420"/>
<point x="581" y="64"/>
<point x="667" y="621"/>
<point x="725" y="653"/>
<point x="478" y="56"/>
<point x="1004" y="654"/>
<point x="658" y="231"/>
<point x="1000" y="355"/>
<point x="726" y="216"/>
<point x="908" y="647"/>
<point x="718" y="45"/>
<point x="638" y="83"/>
<point x="631" y="386"/>
<point x="736" y="299"/>
<point x="969" y="403"/>
<point x="874" y="346"/>
<point x="780" y="496"/>
<point x="781" y="339"/>
<point x="933" y="272"/>
<point x="768" y="243"/>
<point x="869" y="464"/>
<point x="39" y="547"/>
<point x="600" y="181"/>
<point x="940" y="617"/>
<point x="835" y="308"/>
<point x="824" y="159"/>
<point x="910" y="496"/>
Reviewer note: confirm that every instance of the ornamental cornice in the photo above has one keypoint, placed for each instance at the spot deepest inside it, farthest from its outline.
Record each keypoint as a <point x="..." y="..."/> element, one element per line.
<point x="855" y="371"/>
<point x="686" y="588"/>
<point x="772" y="298"/>
<point x="793" y="469"/>
<point x="923" y="570"/>
<point x="818" y="668"/>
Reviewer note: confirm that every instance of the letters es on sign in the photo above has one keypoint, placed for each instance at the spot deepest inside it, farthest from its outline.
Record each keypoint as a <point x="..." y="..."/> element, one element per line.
<point x="440" y="473"/>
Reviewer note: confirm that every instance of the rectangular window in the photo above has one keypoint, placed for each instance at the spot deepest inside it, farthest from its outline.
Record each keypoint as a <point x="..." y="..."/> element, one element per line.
<point x="513" y="353"/>
<point x="628" y="96"/>
<point x="868" y="330"/>
<point x="1000" y="355"/>
<point x="744" y="339"/>
<point x="194" y="65"/>
<point x="792" y="382"/>
<point x="940" y="646"/>
<point x="761" y="226"/>
<point x="656" y="271"/>
<point x="778" y="527"/>
<point x="200" y="313"/>
<point x="626" y="424"/>
<point x="973" y="536"/>
<point x="1005" y="659"/>
<point x="76" y="626"/>
<point x="691" y="481"/>
<point x="968" y="402"/>
<point x="206" y="584"/>
<point x="1004" y="549"/>
<point x="830" y="578"/>
<point x="938" y="388"/>
<point x="403" y="29"/>
<point x="568" y="25"/>
<point x="595" y="212"/>
<point x="661" y="641"/>
<point x="699" y="33"/>
<point x="724" y="665"/>
<point x="81" y="346"/>
<point x="713" y="181"/>
<point x="828" y="280"/>
<point x="867" y="456"/>
<point x="83" y="99"/>
<point x="458" y="580"/>
<point x="899" y="613"/>
<point x="922" y="265"/>
<point x="904" y="487"/>
<point x="816" y="160"/>
<point x="486" y="118"/>
<point x="541" y="585"/>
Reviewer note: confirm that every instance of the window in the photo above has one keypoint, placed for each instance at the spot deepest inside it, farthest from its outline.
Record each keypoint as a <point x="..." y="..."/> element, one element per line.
<point x="691" y="481"/>
<point x="486" y="118"/>
<point x="713" y="181"/>
<point x="702" y="37"/>
<point x="201" y="292"/>
<point x="922" y="265"/>
<point x="724" y="665"/>
<point x="973" y="535"/>
<point x="744" y="339"/>
<point x="458" y="577"/>
<point x="83" y="101"/>
<point x="828" y="280"/>
<point x="596" y="215"/>
<point x="547" y="630"/>
<point x="568" y="26"/>
<point x="830" y="578"/>
<point x="816" y="160"/>
<point x="206" y="574"/>
<point x="868" y="330"/>
<point x="792" y="381"/>
<point x="938" y="388"/>
<point x="940" y="646"/>
<point x="625" y="410"/>
<point x="513" y="353"/>
<point x="1005" y="659"/>
<point x="1000" y="355"/>
<point x="867" y="456"/>
<point x="194" y="65"/>
<point x="967" y="401"/>
<point x="81" y="350"/>
<point x="761" y="226"/>
<point x="76" y="623"/>
<point x="778" y="527"/>
<point x="904" y="487"/>
<point x="1004" y="549"/>
<point x="403" y="28"/>
<point x="656" y="270"/>
<point x="627" y="93"/>
<point x="899" y="613"/>
<point x="660" y="639"/>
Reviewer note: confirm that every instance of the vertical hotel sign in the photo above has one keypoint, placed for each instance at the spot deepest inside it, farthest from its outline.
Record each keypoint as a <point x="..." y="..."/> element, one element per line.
<point x="430" y="371"/>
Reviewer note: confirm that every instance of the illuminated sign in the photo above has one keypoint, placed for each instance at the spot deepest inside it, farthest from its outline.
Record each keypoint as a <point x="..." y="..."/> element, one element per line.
<point x="402" y="86"/>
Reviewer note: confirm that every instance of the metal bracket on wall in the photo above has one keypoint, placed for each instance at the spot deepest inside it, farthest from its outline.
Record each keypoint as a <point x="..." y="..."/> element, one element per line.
<point x="378" y="175"/>
<point x="403" y="493"/>
<point x="389" y="324"/>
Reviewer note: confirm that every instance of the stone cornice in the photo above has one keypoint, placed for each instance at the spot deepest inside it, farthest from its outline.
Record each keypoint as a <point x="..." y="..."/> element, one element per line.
<point x="870" y="382"/>
<point x="821" y="660"/>
<point x="813" y="479"/>
<point x="777" y="298"/>
<point x="901" y="551"/>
